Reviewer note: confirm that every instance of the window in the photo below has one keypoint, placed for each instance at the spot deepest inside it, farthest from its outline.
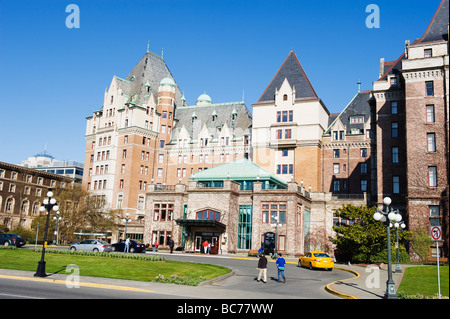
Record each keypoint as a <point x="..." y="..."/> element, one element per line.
<point x="291" y="116"/>
<point x="284" y="152"/>
<point x="363" y="168"/>
<point x="285" y="97"/>
<point x="163" y="212"/>
<point x="429" y="87"/>
<point x="336" y="153"/>
<point x="394" y="129"/>
<point x="432" y="176"/>
<point x="245" y="227"/>
<point x="164" y="114"/>
<point x="394" y="109"/>
<point x="208" y="214"/>
<point x="435" y="215"/>
<point x="160" y="172"/>
<point x="336" y="168"/>
<point x="428" y="53"/>
<point x="279" y="134"/>
<point x="395" y="154"/>
<point x="161" y="144"/>
<point x="363" y="152"/>
<point x="276" y="211"/>
<point x="431" y="137"/>
<point x="430" y="113"/>
<point x="336" y="186"/>
<point x="284" y="118"/>
<point x="363" y="185"/>
<point x="356" y="119"/>
<point x="394" y="82"/>
<point x="396" y="184"/>
<point x="288" y="134"/>
<point x="124" y="154"/>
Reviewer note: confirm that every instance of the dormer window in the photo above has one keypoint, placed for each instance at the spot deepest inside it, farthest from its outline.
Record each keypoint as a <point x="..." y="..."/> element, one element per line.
<point x="214" y="117"/>
<point x="428" y="53"/>
<point x="285" y="97"/>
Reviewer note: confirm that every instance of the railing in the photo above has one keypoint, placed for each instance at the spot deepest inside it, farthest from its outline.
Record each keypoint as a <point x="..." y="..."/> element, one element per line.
<point x="165" y="188"/>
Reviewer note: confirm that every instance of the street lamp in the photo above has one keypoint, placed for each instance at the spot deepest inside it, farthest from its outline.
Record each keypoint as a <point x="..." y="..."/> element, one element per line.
<point x="398" y="223"/>
<point x="391" y="216"/>
<point x="55" y="237"/>
<point x="276" y="235"/>
<point x="49" y="205"/>
<point x="126" y="220"/>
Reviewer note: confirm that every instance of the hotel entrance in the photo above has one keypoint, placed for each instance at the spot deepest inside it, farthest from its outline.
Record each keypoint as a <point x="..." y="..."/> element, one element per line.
<point x="197" y="231"/>
<point x="211" y="238"/>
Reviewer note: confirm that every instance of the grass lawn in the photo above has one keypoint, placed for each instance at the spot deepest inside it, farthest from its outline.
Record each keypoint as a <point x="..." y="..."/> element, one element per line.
<point x="119" y="268"/>
<point x="423" y="280"/>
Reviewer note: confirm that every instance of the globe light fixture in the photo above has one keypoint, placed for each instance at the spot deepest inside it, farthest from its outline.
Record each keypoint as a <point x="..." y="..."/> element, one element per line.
<point x="49" y="204"/>
<point x="386" y="217"/>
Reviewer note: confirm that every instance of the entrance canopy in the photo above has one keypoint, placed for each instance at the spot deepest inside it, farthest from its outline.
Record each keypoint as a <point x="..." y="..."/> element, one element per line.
<point x="201" y="223"/>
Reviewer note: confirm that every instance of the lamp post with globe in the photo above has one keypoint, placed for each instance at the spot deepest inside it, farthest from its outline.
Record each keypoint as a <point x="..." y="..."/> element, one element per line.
<point x="386" y="217"/>
<point x="49" y="205"/>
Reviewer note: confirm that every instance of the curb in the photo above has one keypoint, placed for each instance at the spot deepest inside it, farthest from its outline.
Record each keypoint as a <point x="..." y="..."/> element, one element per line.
<point x="340" y="294"/>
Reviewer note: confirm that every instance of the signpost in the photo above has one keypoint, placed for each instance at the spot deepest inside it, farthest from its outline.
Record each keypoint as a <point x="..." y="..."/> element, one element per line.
<point x="436" y="234"/>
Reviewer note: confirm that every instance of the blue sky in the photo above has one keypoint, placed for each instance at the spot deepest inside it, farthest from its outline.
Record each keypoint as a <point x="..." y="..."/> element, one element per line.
<point x="53" y="77"/>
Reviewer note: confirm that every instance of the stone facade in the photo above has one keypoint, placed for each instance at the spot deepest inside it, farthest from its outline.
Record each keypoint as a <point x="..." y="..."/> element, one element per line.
<point x="230" y="203"/>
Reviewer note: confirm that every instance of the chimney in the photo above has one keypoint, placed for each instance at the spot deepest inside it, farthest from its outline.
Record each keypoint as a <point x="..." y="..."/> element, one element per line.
<point x="381" y="67"/>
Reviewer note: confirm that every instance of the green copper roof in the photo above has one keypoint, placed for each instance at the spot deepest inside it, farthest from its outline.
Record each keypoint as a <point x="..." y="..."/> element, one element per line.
<point x="239" y="170"/>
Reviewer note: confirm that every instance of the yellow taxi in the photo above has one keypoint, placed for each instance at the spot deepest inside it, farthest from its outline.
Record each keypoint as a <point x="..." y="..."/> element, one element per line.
<point x="316" y="259"/>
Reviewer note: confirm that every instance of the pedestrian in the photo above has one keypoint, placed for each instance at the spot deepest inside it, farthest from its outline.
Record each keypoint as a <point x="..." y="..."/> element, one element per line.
<point x="260" y="251"/>
<point x="262" y="267"/>
<point x="127" y="245"/>
<point x="205" y="246"/>
<point x="281" y="263"/>
<point x="171" y="244"/>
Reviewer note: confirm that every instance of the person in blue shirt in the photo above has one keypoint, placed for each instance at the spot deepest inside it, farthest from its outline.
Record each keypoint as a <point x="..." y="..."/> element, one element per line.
<point x="260" y="251"/>
<point x="281" y="263"/>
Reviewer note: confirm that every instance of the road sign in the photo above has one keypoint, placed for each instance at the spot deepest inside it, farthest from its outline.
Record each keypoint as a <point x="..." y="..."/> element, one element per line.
<point x="436" y="232"/>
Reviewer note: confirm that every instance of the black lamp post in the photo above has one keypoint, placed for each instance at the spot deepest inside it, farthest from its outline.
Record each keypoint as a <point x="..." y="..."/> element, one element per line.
<point x="386" y="217"/>
<point x="49" y="204"/>
<point x="398" y="223"/>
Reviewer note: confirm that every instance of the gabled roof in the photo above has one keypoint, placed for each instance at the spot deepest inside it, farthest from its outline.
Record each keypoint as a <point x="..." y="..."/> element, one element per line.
<point x="291" y="70"/>
<point x="151" y="69"/>
<point x="437" y="29"/>
<point x="359" y="105"/>
<point x="239" y="170"/>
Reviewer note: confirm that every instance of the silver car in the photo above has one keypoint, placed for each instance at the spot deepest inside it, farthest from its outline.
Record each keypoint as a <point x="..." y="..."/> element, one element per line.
<point x="91" y="245"/>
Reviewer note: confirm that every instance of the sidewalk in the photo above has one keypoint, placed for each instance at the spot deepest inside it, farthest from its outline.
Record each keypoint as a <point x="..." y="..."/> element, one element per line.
<point x="369" y="281"/>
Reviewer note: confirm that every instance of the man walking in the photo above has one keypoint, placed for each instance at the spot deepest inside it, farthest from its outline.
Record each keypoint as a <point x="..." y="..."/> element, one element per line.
<point x="281" y="263"/>
<point x="127" y="245"/>
<point x="262" y="267"/>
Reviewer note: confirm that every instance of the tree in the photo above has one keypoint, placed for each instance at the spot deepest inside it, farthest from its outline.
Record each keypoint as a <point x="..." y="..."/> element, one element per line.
<point x="359" y="237"/>
<point x="79" y="210"/>
<point x="421" y="243"/>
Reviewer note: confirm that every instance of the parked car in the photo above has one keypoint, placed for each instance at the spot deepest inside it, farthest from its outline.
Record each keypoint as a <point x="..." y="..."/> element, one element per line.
<point x="135" y="246"/>
<point x="91" y="244"/>
<point x="316" y="259"/>
<point x="11" y="239"/>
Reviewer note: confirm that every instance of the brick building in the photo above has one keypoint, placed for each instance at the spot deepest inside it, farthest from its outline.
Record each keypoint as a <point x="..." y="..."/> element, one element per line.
<point x="410" y="108"/>
<point x="22" y="191"/>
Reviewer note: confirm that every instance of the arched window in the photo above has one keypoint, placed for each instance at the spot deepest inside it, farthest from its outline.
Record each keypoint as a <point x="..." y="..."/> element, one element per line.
<point x="9" y="205"/>
<point x="208" y="214"/>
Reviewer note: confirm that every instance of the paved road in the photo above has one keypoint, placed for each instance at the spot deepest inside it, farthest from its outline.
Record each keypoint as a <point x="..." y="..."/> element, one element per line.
<point x="301" y="283"/>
